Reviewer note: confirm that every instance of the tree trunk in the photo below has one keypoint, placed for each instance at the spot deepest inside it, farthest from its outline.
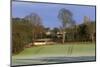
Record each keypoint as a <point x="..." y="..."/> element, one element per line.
<point x="92" y="37"/>
<point x="63" y="39"/>
<point x="41" y="35"/>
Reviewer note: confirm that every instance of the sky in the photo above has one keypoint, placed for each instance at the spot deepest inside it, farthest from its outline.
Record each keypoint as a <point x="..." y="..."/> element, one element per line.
<point x="49" y="12"/>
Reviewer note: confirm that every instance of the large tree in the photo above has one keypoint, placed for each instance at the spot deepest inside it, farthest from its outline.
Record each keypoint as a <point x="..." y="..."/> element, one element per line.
<point x="21" y="34"/>
<point x="36" y="21"/>
<point x="83" y="32"/>
<point x="65" y="16"/>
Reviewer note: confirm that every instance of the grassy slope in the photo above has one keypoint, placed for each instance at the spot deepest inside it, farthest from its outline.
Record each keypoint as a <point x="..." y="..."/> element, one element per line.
<point x="58" y="50"/>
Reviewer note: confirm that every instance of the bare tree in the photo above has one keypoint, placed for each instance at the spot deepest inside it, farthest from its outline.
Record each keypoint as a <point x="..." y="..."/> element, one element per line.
<point x="65" y="16"/>
<point x="37" y="24"/>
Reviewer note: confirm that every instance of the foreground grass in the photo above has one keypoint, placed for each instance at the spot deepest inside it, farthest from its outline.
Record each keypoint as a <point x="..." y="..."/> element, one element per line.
<point x="78" y="49"/>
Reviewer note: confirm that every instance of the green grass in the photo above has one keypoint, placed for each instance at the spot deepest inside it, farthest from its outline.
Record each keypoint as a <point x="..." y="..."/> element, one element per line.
<point x="58" y="50"/>
<point x="71" y="49"/>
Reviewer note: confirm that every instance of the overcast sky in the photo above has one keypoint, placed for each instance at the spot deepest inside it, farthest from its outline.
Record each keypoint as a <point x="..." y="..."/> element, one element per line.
<point x="49" y="12"/>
